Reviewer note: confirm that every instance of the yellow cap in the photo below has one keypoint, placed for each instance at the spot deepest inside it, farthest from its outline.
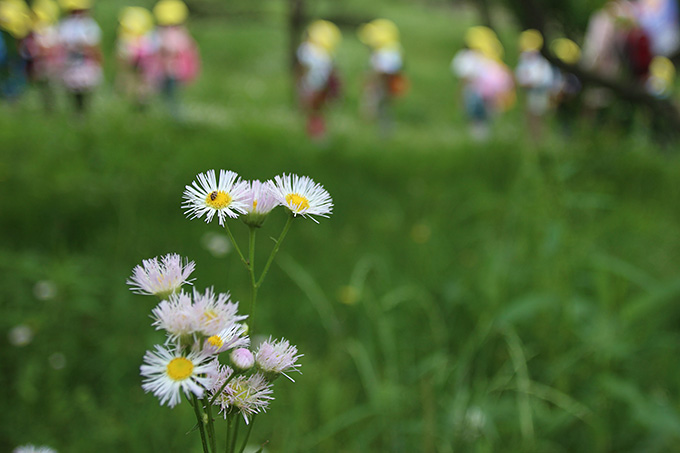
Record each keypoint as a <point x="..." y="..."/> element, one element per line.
<point x="484" y="40"/>
<point x="74" y="5"/>
<point x="662" y="68"/>
<point x="324" y="33"/>
<point x="530" y="40"/>
<point x="135" y="20"/>
<point x="566" y="50"/>
<point x="46" y="12"/>
<point x="379" y="33"/>
<point x="170" y="12"/>
<point x="15" y="18"/>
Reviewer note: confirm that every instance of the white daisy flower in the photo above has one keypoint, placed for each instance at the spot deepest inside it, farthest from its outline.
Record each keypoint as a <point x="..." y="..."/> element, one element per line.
<point x="226" y="197"/>
<point x="277" y="357"/>
<point x="176" y="316"/>
<point x="230" y="338"/>
<point x="214" y="313"/>
<point x="169" y="372"/>
<point x="248" y="394"/>
<point x="261" y="201"/>
<point x="33" y="449"/>
<point x="161" y="277"/>
<point x="302" y="196"/>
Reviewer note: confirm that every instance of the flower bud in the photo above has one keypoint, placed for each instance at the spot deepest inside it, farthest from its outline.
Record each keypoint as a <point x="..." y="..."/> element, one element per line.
<point x="242" y="359"/>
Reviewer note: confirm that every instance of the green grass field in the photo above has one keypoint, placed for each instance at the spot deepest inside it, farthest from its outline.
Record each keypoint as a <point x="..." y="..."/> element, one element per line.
<point x="463" y="297"/>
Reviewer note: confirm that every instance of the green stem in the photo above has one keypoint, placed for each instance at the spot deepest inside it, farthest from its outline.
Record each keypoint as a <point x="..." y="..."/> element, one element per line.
<point x="232" y="447"/>
<point x="211" y="425"/>
<point x="250" y="428"/>
<point x="199" y="420"/>
<point x="217" y="393"/>
<point x="235" y="244"/>
<point x="229" y="422"/>
<point x="253" y="284"/>
<point x="275" y="249"/>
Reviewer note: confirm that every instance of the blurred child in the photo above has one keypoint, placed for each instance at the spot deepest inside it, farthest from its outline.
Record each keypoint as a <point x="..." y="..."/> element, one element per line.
<point x="488" y="86"/>
<point x="386" y="80"/>
<point x="567" y="86"/>
<point x="14" y="27"/>
<point x="317" y="79"/>
<point x="42" y="49"/>
<point x="537" y="77"/>
<point x="177" y="51"/>
<point x="81" y="65"/>
<point x="136" y="51"/>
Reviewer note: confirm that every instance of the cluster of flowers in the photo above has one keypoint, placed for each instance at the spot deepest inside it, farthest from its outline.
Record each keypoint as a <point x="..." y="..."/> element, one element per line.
<point x="204" y="327"/>
<point x="199" y="327"/>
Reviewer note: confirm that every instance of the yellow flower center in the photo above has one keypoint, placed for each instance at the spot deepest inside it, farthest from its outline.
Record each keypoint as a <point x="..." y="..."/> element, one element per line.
<point x="254" y="204"/>
<point x="297" y="202"/>
<point x="216" y="341"/>
<point x="180" y="368"/>
<point x="218" y="199"/>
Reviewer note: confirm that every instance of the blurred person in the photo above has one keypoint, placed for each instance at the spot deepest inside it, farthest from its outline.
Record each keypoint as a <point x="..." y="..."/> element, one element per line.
<point x="537" y="77"/>
<point x="317" y="77"/>
<point x="603" y="50"/>
<point x="177" y="51"/>
<point x="386" y="80"/>
<point x="42" y="50"/>
<point x="659" y="18"/>
<point x="567" y="87"/>
<point x="637" y="51"/>
<point x="138" y="66"/>
<point x="15" y="24"/>
<point x="81" y="62"/>
<point x="487" y="83"/>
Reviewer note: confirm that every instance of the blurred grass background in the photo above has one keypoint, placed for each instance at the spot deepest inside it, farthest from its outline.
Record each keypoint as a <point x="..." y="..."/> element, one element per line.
<point x="498" y="296"/>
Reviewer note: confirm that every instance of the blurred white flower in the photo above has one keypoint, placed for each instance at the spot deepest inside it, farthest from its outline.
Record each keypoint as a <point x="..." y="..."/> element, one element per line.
<point x="161" y="277"/>
<point x="20" y="335"/>
<point x="57" y="360"/>
<point x="225" y="197"/>
<point x="168" y="372"/>
<point x="45" y="290"/>
<point x="302" y="196"/>
<point x="217" y="244"/>
<point x="33" y="449"/>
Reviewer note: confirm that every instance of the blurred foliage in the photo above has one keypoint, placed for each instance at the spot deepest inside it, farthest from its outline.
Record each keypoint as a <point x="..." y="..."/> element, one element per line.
<point x="499" y="296"/>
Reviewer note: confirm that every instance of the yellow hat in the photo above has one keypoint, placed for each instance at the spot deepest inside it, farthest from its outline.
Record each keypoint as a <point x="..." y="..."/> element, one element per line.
<point x="15" y="18"/>
<point x="484" y="40"/>
<point x="74" y="5"/>
<point x="46" y="12"/>
<point x="379" y="33"/>
<point x="170" y="12"/>
<point x="530" y="40"/>
<point x="662" y="68"/>
<point x="135" y="20"/>
<point x="566" y="50"/>
<point x="324" y="33"/>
